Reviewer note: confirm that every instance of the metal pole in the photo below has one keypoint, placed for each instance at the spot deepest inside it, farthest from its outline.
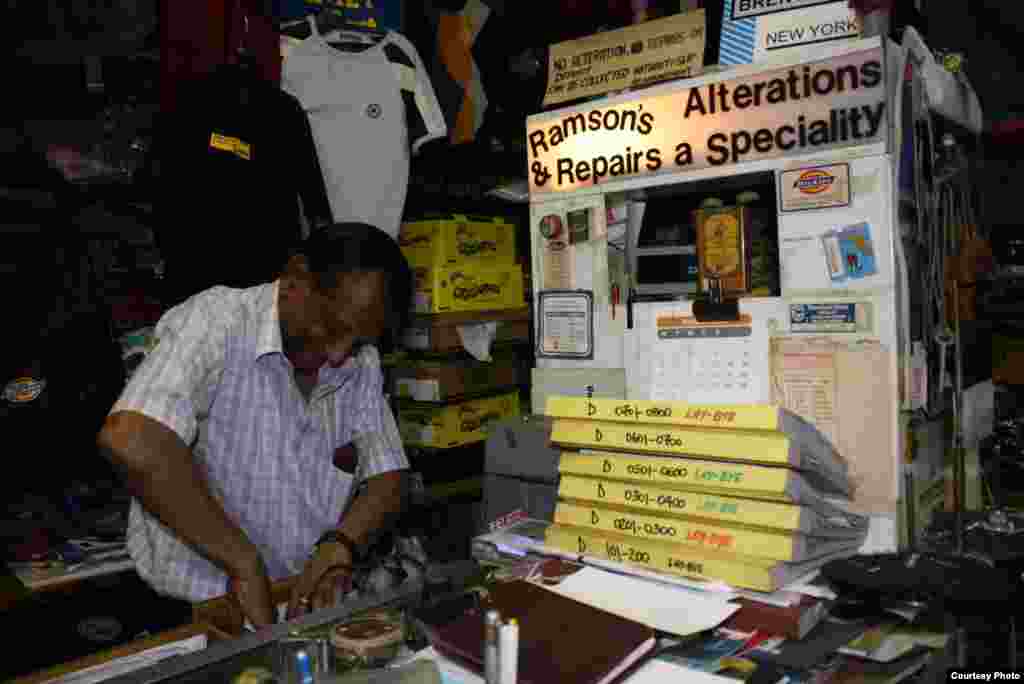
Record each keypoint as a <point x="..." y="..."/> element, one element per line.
<point x="960" y="469"/>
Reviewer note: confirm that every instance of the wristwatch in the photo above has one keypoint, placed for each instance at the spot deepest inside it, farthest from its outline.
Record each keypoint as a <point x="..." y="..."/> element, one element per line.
<point x="338" y="537"/>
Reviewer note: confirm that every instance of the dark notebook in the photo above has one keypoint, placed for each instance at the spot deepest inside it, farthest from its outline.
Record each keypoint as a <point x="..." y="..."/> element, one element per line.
<point x="560" y="640"/>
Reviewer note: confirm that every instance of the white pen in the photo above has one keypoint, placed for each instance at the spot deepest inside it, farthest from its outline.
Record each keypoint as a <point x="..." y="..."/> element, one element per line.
<point x="508" y="639"/>
<point x="491" y="623"/>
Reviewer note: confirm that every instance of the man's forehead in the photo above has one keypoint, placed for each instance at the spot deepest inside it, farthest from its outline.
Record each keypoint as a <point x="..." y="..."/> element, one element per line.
<point x="342" y="281"/>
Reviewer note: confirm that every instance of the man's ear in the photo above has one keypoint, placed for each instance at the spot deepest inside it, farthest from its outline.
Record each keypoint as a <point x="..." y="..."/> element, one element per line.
<point x="297" y="265"/>
<point x="296" y="272"/>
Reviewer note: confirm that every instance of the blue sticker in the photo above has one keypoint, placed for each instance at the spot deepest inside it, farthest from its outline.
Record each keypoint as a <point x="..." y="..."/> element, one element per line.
<point x="823" y="318"/>
<point x="850" y="253"/>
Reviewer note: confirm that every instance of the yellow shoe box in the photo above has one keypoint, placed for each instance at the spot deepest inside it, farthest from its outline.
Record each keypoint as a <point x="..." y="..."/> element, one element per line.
<point x="464" y="422"/>
<point x="471" y="287"/>
<point x="451" y="240"/>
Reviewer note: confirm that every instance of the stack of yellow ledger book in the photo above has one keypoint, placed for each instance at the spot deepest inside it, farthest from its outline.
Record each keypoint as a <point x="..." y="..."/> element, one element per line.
<point x="729" y="493"/>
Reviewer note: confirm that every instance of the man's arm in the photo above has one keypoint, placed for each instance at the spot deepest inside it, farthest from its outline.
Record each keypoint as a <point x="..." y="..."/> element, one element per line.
<point x="149" y="430"/>
<point x="376" y="508"/>
<point x="158" y="468"/>
<point x="373" y="510"/>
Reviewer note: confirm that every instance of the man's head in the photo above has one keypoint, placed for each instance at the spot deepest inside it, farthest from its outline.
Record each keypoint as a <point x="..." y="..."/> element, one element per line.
<point x="347" y="285"/>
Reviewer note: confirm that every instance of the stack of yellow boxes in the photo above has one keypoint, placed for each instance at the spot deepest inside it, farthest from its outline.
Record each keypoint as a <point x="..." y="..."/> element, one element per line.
<point x="745" y="495"/>
<point x="463" y="263"/>
<point x="466" y="274"/>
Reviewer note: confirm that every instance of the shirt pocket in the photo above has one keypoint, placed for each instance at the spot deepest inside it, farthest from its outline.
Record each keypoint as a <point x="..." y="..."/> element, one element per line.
<point x="346" y="458"/>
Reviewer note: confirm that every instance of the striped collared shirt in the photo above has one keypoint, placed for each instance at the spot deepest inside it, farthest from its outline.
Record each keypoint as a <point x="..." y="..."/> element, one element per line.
<point x="218" y="377"/>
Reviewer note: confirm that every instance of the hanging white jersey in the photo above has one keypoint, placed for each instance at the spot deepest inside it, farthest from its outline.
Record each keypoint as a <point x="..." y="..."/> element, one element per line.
<point x="370" y="110"/>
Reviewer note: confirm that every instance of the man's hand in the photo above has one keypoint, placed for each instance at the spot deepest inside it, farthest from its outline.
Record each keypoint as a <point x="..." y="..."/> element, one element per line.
<point x="249" y="587"/>
<point x="329" y="569"/>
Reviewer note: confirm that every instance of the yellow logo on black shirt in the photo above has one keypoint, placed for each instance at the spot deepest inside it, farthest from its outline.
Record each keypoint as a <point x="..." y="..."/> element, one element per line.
<point x="235" y="146"/>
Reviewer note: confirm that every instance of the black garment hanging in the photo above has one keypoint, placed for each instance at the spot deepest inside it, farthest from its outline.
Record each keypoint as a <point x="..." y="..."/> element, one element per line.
<point x="237" y="156"/>
<point x="327" y="21"/>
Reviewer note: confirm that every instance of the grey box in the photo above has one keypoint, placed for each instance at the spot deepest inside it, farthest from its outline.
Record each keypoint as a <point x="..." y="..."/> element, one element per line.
<point x="505" y="496"/>
<point x="520" y="447"/>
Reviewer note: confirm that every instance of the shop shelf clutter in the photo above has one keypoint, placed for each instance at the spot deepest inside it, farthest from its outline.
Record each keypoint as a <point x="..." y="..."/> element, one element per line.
<point x="462" y="365"/>
<point x="741" y="494"/>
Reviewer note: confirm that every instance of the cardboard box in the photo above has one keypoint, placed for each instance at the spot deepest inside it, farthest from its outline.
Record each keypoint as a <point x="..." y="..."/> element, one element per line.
<point x="440" y="333"/>
<point x="754" y="30"/>
<point x="454" y="240"/>
<point x="436" y="381"/>
<point x="470" y="287"/>
<point x="464" y="422"/>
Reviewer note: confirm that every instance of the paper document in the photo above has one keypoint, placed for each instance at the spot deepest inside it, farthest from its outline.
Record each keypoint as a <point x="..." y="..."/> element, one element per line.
<point x="719" y="590"/>
<point x="808" y="388"/>
<point x="120" y="666"/>
<point x="662" y="672"/>
<point x="665" y="608"/>
<point x="822" y="379"/>
<point x="450" y="672"/>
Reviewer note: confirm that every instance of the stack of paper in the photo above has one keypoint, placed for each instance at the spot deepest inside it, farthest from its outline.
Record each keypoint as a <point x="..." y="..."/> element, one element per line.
<point x="729" y="493"/>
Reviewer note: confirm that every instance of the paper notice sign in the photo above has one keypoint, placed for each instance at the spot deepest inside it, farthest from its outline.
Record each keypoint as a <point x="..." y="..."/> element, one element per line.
<point x="566" y="324"/>
<point x="653" y="51"/>
<point x="815" y="187"/>
<point x="808" y="384"/>
<point x="822" y="378"/>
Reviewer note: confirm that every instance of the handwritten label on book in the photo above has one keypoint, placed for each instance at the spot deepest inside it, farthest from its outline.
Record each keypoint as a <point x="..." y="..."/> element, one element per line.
<point x="635" y="495"/>
<point x="692" y="415"/>
<point x="625" y="553"/>
<point x="665" y="530"/>
<point x="667" y="412"/>
<point x="674" y="472"/>
<point x="747" y="445"/>
<point x="664" y="439"/>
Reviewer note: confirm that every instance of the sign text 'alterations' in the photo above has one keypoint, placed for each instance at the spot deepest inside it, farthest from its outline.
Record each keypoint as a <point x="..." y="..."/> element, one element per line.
<point x="785" y="112"/>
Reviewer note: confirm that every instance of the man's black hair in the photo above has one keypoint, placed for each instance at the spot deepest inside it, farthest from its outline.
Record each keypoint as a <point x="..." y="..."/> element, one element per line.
<point x="352" y="247"/>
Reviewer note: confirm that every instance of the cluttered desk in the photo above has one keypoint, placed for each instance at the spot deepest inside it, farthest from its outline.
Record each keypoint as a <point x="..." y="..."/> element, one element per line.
<point x="533" y="617"/>
<point x="636" y="577"/>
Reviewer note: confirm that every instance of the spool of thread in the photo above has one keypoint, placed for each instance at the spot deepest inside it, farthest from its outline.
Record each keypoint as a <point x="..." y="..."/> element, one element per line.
<point x="509" y="649"/>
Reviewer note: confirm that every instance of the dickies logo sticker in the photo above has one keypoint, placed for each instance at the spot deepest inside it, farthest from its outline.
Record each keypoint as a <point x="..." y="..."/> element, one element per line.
<point x="814" y="181"/>
<point x="815" y="187"/>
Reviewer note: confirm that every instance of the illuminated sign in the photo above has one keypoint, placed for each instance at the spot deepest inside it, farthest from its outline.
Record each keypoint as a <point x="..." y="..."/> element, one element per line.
<point x="808" y="108"/>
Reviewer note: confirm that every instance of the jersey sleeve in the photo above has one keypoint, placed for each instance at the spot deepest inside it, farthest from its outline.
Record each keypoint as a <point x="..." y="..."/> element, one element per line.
<point x="424" y="115"/>
<point x="305" y="161"/>
<point x="175" y="383"/>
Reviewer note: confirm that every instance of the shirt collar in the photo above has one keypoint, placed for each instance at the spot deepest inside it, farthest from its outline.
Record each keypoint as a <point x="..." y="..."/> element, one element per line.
<point x="269" y="340"/>
<point x="268" y="330"/>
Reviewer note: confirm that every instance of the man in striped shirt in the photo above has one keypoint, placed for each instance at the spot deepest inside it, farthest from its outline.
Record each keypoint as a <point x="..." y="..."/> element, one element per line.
<point x="255" y="436"/>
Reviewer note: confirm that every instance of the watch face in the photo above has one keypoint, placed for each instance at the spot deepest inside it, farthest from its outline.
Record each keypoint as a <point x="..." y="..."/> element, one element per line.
<point x="721" y="245"/>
